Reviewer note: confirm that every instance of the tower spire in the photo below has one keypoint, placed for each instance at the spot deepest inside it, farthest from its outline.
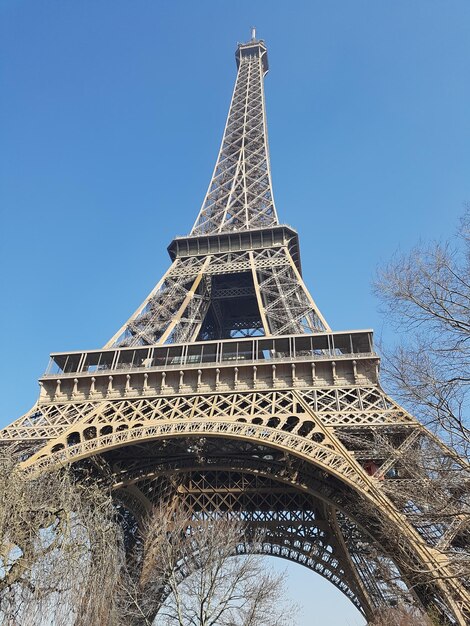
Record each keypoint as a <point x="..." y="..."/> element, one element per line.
<point x="240" y="195"/>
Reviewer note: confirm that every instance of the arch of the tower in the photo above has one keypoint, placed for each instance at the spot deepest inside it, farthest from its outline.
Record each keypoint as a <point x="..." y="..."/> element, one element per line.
<point x="303" y="514"/>
<point x="293" y="525"/>
<point x="290" y="503"/>
<point x="285" y="432"/>
<point x="304" y="497"/>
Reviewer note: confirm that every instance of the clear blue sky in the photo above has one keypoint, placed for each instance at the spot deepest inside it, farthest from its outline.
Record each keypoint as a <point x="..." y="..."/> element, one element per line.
<point x="111" y="114"/>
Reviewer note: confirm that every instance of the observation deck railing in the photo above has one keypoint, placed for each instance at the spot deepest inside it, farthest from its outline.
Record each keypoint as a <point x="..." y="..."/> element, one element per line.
<point x="288" y="348"/>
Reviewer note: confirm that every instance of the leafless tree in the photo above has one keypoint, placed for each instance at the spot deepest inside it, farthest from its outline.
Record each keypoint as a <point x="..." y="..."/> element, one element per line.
<point x="193" y="570"/>
<point x="426" y="296"/>
<point x="59" y="556"/>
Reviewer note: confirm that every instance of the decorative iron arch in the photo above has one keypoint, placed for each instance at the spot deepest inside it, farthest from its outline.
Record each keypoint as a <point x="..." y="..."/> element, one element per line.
<point x="324" y="457"/>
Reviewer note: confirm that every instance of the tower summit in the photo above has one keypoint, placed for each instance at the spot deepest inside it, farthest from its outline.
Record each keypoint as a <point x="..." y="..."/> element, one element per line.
<point x="228" y="393"/>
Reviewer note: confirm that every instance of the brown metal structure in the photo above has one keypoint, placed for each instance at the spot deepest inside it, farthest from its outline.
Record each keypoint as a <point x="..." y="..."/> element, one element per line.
<point x="228" y="390"/>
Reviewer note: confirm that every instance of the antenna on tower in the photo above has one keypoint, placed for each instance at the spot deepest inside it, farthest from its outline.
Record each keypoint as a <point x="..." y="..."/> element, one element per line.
<point x="253" y="33"/>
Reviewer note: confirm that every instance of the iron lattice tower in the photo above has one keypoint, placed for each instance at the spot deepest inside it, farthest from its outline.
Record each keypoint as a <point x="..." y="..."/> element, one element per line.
<point x="228" y="390"/>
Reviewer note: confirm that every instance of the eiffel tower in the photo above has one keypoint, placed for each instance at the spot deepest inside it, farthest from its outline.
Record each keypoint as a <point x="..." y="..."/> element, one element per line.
<point x="228" y="389"/>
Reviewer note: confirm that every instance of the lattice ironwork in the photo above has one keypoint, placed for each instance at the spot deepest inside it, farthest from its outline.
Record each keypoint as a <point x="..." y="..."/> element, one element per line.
<point x="240" y="193"/>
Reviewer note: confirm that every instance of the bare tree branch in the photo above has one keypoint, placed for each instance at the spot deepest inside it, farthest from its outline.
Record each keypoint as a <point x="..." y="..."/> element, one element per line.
<point x="425" y="295"/>
<point x="192" y="567"/>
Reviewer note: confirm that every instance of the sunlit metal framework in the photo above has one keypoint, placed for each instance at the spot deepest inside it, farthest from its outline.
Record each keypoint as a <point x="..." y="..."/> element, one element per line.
<point x="228" y="390"/>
